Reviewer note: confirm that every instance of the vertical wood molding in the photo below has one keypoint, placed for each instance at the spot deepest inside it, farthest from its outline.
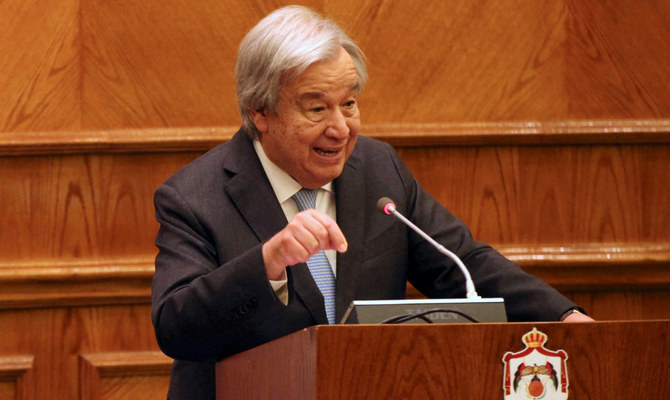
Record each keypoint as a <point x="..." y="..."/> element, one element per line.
<point x="95" y="368"/>
<point x="19" y="370"/>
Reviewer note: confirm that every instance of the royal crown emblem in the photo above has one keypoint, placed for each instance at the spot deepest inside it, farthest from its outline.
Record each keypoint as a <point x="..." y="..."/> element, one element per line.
<point x="535" y="372"/>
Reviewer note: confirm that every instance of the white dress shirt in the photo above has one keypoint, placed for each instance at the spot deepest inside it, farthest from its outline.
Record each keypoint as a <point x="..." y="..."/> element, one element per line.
<point x="284" y="187"/>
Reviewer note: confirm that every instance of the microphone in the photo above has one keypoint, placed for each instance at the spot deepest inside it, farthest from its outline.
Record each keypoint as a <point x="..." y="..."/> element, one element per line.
<point x="387" y="206"/>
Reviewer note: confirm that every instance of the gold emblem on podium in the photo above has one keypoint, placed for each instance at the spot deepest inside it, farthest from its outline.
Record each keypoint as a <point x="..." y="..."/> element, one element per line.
<point x="535" y="373"/>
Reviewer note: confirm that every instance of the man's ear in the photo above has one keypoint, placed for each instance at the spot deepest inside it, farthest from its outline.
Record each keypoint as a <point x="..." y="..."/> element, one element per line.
<point x="260" y="120"/>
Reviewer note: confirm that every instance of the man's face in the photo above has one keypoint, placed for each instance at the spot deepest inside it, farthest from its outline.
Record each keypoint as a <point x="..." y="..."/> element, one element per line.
<point x="317" y="122"/>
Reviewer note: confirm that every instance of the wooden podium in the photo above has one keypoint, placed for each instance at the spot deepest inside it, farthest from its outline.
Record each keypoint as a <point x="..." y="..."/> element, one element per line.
<point x="606" y="360"/>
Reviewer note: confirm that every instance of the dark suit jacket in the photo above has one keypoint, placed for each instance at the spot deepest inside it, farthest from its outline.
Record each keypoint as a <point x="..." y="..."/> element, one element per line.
<point x="212" y="298"/>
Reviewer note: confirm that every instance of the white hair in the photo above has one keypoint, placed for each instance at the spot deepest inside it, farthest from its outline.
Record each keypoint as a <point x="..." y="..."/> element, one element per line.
<point x="280" y="47"/>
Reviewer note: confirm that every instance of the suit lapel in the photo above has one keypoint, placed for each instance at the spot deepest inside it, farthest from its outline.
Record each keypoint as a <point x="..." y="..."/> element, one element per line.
<point x="252" y="194"/>
<point x="306" y="289"/>
<point x="350" y="205"/>
<point x="250" y="190"/>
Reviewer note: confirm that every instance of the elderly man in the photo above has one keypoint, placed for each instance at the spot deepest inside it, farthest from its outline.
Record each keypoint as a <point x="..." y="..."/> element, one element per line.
<point x="277" y="229"/>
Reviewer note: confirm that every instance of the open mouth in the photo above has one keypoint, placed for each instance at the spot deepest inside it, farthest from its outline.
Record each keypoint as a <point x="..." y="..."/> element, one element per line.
<point x="326" y="152"/>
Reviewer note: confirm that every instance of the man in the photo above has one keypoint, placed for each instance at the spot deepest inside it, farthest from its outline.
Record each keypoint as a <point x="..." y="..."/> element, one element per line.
<point x="236" y="263"/>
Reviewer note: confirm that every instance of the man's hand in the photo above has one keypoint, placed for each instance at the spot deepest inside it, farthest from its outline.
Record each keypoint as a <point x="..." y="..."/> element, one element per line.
<point x="308" y="232"/>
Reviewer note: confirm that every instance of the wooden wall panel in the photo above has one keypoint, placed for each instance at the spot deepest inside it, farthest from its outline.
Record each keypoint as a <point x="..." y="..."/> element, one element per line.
<point x="39" y="69"/>
<point x="618" y="53"/>
<point x="464" y="61"/>
<point x="544" y="125"/>
<point x="163" y="64"/>
<point x="485" y="61"/>
<point x="101" y="65"/>
<point x="613" y="305"/>
<point x="157" y="64"/>
<point x="16" y="378"/>
<point x="55" y="338"/>
<point x="81" y="226"/>
<point x="128" y="375"/>
<point x="69" y="207"/>
<point x="551" y="194"/>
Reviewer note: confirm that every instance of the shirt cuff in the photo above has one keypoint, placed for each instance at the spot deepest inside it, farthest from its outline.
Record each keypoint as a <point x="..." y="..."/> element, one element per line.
<point x="572" y="311"/>
<point x="281" y="288"/>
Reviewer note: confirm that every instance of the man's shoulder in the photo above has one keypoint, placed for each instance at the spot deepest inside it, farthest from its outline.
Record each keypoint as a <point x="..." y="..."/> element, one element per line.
<point x="367" y="148"/>
<point x="373" y="153"/>
<point x="210" y="167"/>
<point x="364" y="143"/>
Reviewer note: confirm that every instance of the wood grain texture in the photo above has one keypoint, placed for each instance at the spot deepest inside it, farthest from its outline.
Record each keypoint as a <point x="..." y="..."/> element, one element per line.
<point x="16" y="377"/>
<point x="84" y="282"/>
<point x="124" y="375"/>
<point x="169" y="64"/>
<point x="141" y="67"/>
<point x="39" y="70"/>
<point x="618" y="57"/>
<point x="553" y="194"/>
<point x="578" y="268"/>
<point x="115" y="141"/>
<point x="465" y="61"/>
<point x="152" y="140"/>
<point x="457" y="361"/>
<point x="552" y="116"/>
<point x="483" y="61"/>
<point x="297" y="356"/>
<point x="81" y="206"/>
<point x="56" y="337"/>
<point x="611" y="304"/>
<point x="80" y="226"/>
<point x="100" y="65"/>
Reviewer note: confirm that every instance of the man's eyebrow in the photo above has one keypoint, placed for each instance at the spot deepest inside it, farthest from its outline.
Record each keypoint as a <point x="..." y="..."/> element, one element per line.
<point x="311" y="95"/>
<point x="355" y="87"/>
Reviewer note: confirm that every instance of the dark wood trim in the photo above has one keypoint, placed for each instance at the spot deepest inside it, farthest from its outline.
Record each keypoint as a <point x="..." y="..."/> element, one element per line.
<point x="54" y="283"/>
<point x="399" y="135"/>
<point x="127" y="363"/>
<point x="93" y="368"/>
<point x="19" y="369"/>
<point x="594" y="266"/>
<point x="522" y="133"/>
<point x="14" y="367"/>
<point x="113" y="141"/>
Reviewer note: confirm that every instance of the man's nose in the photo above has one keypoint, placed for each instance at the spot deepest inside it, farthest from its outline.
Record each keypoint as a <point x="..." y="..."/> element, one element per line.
<point x="337" y="124"/>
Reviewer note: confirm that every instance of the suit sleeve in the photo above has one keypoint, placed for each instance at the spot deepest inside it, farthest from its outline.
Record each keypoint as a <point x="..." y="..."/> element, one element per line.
<point x="527" y="298"/>
<point x="202" y="310"/>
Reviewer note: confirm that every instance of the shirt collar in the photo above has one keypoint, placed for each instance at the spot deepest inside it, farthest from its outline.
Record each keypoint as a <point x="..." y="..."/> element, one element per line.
<point x="282" y="183"/>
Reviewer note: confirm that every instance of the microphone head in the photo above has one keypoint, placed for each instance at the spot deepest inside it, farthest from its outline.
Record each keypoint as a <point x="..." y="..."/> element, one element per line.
<point x="383" y="205"/>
